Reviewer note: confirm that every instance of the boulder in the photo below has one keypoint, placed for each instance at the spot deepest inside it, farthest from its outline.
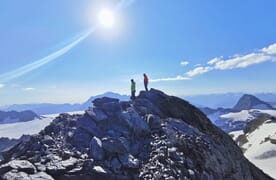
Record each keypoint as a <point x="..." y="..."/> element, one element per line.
<point x="60" y="167"/>
<point x="5" y="168"/>
<point x="87" y="124"/>
<point x="22" y="165"/>
<point x="273" y="139"/>
<point x="81" y="139"/>
<point x="48" y="140"/>
<point x="129" y="161"/>
<point x="145" y="106"/>
<point x="100" y="101"/>
<point x="112" y="109"/>
<point x="41" y="176"/>
<point x="113" y="145"/>
<point x="135" y="122"/>
<point x="14" y="175"/>
<point x="153" y="121"/>
<point x="115" y="164"/>
<point x="96" y="149"/>
<point x="96" y="114"/>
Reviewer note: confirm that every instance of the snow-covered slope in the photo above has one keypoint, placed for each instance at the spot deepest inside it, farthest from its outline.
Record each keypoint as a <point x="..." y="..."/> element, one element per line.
<point x="233" y="121"/>
<point x="16" y="130"/>
<point x="258" y="146"/>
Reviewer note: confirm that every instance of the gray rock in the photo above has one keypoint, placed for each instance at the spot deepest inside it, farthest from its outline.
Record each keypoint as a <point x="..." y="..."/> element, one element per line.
<point x="100" y="101"/>
<point x="88" y="164"/>
<point x="112" y="109"/>
<point x="87" y="124"/>
<point x="40" y="167"/>
<point x="115" y="164"/>
<point x="96" y="114"/>
<point x="129" y="161"/>
<point x="54" y="168"/>
<point x="60" y="167"/>
<point x="113" y="145"/>
<point x="5" y="168"/>
<point x="69" y="163"/>
<point x="81" y="139"/>
<point x="135" y="122"/>
<point x="153" y="121"/>
<point x="96" y="149"/>
<point x="22" y="165"/>
<point x="48" y="140"/>
<point x="41" y="176"/>
<point x="273" y="139"/>
<point x="13" y="175"/>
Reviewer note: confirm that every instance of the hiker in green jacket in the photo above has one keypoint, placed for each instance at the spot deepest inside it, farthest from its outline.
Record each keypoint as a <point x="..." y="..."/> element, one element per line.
<point x="133" y="89"/>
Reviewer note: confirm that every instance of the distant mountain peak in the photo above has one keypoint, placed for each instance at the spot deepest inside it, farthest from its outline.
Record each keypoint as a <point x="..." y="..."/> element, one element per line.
<point x="248" y="101"/>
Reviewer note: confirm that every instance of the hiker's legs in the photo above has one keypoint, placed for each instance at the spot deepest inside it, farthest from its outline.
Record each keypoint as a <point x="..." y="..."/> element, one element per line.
<point x="146" y="86"/>
<point x="132" y="95"/>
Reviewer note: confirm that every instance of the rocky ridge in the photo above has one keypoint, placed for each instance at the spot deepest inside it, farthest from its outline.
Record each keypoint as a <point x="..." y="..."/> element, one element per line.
<point x="156" y="136"/>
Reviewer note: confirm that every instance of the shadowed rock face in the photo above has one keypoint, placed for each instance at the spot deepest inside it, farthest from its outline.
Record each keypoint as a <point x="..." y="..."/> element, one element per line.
<point x="155" y="136"/>
<point x="248" y="101"/>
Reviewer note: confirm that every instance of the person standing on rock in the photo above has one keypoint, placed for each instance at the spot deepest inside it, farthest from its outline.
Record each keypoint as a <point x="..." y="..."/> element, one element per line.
<point x="146" y="82"/>
<point x="133" y="89"/>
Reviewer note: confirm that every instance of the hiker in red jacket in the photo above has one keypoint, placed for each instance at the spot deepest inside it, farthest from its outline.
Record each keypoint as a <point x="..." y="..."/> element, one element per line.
<point x="146" y="81"/>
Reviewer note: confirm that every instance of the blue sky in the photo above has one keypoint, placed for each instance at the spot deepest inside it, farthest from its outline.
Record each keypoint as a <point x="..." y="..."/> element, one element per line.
<point x="236" y="38"/>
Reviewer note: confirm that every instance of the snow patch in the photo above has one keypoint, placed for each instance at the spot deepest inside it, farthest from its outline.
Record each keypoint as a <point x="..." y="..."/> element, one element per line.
<point x="243" y="115"/>
<point x="16" y="130"/>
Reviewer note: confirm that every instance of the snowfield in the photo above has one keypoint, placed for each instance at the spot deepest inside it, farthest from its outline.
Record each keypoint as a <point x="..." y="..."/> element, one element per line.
<point x="246" y="115"/>
<point x="259" y="150"/>
<point x="243" y="115"/>
<point x="16" y="130"/>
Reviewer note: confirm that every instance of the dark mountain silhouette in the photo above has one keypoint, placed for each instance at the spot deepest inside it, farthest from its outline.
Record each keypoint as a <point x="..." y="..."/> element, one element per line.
<point x="14" y="116"/>
<point x="156" y="136"/>
<point x="248" y="101"/>
<point x="225" y="100"/>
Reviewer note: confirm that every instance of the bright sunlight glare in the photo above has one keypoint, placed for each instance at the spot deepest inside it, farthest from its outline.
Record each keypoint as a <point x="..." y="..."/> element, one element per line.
<point x="106" y="18"/>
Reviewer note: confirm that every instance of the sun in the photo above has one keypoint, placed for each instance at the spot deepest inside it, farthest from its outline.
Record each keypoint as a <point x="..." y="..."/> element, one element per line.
<point x="106" y="18"/>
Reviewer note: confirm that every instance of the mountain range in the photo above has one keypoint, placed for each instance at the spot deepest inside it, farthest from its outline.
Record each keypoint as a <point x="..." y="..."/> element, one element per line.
<point x="226" y="100"/>
<point x="246" y="108"/>
<point x="48" y="108"/>
<point x="14" y="116"/>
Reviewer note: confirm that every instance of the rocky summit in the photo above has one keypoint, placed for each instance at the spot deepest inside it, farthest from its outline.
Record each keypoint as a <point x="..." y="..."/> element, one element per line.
<point x="156" y="136"/>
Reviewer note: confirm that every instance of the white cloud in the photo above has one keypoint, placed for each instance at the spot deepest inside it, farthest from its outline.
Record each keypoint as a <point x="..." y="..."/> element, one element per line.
<point x="199" y="70"/>
<point x="213" y="61"/>
<point x="237" y="61"/>
<point x="184" y="63"/>
<point x="177" y="78"/>
<point x="29" y="89"/>
<point x="270" y="49"/>
<point x="197" y="65"/>
<point x="2" y="85"/>
<point x="243" y="61"/>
